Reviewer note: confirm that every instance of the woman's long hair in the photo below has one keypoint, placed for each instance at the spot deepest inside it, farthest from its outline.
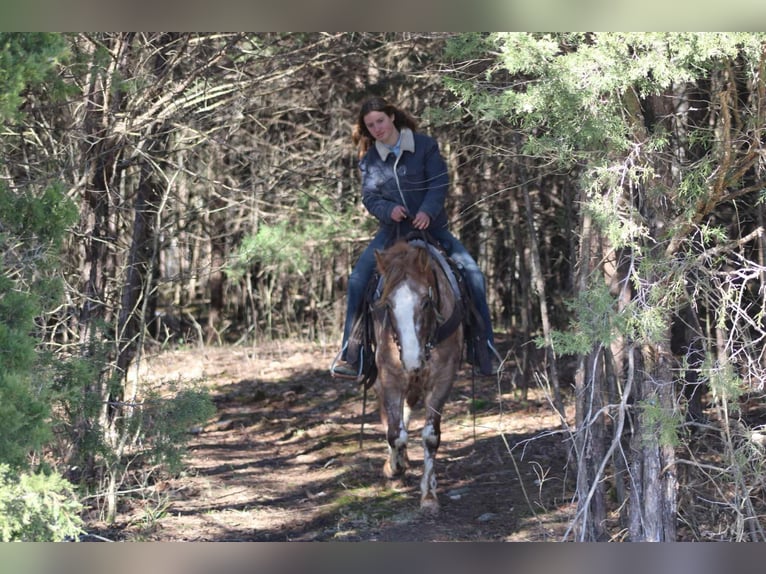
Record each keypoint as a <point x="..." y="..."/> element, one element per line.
<point x="362" y="137"/>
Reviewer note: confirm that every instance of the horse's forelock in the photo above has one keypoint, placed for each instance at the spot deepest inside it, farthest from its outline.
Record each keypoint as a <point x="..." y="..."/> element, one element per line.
<point x="400" y="260"/>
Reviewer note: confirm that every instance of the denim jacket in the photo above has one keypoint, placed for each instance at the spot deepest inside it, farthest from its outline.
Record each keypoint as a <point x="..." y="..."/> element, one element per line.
<point x="417" y="179"/>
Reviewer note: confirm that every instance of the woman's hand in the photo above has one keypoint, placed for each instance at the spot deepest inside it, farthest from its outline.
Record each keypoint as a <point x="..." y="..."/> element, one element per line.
<point x="399" y="213"/>
<point x="422" y="220"/>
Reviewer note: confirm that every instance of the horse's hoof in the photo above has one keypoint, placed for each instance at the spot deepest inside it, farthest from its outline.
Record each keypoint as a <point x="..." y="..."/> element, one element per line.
<point x="429" y="506"/>
<point x="389" y="473"/>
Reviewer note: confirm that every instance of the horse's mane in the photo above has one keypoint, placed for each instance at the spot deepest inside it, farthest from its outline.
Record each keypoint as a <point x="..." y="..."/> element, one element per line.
<point x="399" y="261"/>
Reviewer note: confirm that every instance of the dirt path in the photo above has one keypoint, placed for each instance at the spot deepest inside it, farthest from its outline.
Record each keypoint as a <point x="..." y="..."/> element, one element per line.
<point x="282" y="461"/>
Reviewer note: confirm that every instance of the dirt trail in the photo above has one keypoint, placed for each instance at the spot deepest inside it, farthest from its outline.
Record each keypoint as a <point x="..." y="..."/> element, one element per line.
<point x="282" y="461"/>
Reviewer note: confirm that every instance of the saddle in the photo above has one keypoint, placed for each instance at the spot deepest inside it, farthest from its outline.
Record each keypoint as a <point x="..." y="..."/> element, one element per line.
<point x="361" y="343"/>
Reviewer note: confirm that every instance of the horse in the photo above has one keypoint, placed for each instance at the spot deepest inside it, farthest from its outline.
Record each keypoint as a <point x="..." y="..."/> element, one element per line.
<point x="418" y="327"/>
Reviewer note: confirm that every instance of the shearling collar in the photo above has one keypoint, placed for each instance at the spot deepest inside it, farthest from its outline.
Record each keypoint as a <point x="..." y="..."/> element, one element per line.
<point x="407" y="144"/>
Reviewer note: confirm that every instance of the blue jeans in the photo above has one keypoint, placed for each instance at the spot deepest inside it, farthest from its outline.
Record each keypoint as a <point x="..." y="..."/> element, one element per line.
<point x="365" y="266"/>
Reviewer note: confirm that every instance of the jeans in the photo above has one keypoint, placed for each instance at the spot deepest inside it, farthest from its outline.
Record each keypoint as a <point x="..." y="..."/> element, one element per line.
<point x="365" y="266"/>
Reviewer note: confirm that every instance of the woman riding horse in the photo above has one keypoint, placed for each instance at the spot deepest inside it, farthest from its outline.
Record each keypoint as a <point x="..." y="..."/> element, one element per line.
<point x="404" y="185"/>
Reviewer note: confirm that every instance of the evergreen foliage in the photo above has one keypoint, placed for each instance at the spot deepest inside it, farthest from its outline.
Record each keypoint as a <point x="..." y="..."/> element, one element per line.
<point x="26" y="59"/>
<point x="166" y="419"/>
<point x="647" y="124"/>
<point x="38" y="507"/>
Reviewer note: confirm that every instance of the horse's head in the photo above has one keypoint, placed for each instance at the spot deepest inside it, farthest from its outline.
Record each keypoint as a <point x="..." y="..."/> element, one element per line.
<point x="408" y="297"/>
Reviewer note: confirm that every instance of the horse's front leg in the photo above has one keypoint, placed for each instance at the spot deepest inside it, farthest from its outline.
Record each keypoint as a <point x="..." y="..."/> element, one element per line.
<point x="397" y="461"/>
<point x="429" y="502"/>
<point x="395" y="419"/>
<point x="435" y="400"/>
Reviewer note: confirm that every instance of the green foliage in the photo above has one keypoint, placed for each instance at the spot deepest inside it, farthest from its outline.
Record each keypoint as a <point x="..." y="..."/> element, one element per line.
<point x="565" y="94"/>
<point x="17" y="311"/>
<point x="165" y="422"/>
<point x="694" y="187"/>
<point x="620" y="224"/>
<point x="659" y="423"/>
<point x="650" y="323"/>
<point x="26" y="59"/>
<point x="441" y="116"/>
<point x="323" y="222"/>
<point x="282" y="247"/>
<point x="468" y="46"/>
<point x="569" y="92"/>
<point x="273" y="247"/>
<point x="77" y="404"/>
<point x="44" y="216"/>
<point x="725" y="385"/>
<point x="711" y="234"/>
<point x="23" y="418"/>
<point x="32" y="229"/>
<point x="33" y="223"/>
<point x="659" y="284"/>
<point x="37" y="508"/>
<point x="596" y="322"/>
<point x="23" y="401"/>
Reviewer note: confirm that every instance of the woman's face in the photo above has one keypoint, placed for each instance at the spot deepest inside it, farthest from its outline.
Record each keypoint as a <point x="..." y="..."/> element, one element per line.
<point x="382" y="127"/>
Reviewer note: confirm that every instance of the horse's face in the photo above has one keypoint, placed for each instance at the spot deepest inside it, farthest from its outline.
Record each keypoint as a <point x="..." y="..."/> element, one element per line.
<point x="410" y="307"/>
<point x="408" y="299"/>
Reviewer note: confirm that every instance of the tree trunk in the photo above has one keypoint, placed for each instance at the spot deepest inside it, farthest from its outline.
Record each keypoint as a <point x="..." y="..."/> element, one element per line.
<point x="589" y="446"/>
<point x="102" y="154"/>
<point x="539" y="283"/>
<point x="653" y="508"/>
<point x="589" y="423"/>
<point x="139" y="272"/>
<point x="653" y="499"/>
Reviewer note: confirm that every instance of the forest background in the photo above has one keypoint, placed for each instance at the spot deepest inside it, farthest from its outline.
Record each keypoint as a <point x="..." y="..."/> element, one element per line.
<point x="166" y="189"/>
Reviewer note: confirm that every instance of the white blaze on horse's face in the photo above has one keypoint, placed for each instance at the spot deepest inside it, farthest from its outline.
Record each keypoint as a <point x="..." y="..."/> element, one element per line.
<point x="405" y="304"/>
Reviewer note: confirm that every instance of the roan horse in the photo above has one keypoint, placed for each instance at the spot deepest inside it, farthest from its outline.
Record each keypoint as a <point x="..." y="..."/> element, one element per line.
<point x="419" y="341"/>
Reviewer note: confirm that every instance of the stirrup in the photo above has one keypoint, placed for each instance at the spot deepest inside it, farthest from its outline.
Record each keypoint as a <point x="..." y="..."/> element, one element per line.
<point x="338" y="371"/>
